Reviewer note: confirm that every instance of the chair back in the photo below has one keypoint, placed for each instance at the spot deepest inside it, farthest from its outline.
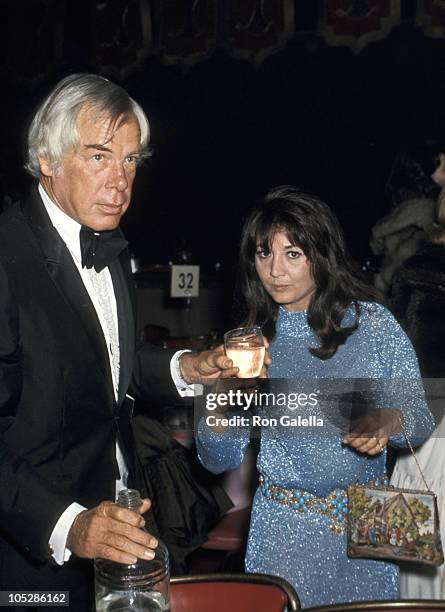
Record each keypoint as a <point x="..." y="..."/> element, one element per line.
<point x="402" y="605"/>
<point x="232" y="593"/>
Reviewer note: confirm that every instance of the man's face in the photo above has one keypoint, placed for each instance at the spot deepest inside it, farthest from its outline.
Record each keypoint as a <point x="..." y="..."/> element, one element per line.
<point x="94" y="181"/>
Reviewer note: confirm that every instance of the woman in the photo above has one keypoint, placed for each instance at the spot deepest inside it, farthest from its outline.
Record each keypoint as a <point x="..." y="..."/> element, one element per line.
<point x="418" y="296"/>
<point x="296" y="281"/>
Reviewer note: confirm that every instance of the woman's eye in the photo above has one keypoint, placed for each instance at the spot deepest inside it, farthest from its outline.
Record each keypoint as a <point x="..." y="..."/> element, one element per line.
<point x="294" y="254"/>
<point x="262" y="254"/>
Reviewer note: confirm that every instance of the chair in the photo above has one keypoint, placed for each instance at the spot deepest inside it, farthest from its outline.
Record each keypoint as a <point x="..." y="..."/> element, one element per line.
<point x="402" y="605"/>
<point x="233" y="593"/>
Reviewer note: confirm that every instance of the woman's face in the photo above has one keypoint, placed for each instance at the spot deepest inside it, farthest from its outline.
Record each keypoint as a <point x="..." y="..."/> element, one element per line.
<point x="438" y="175"/>
<point x="285" y="273"/>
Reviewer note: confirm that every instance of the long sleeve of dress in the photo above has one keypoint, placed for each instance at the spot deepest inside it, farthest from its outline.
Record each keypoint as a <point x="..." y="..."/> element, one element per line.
<point x="221" y="451"/>
<point x="403" y="388"/>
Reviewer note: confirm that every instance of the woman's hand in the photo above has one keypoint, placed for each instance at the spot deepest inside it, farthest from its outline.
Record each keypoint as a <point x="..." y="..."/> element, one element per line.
<point x="370" y="434"/>
<point x="365" y="444"/>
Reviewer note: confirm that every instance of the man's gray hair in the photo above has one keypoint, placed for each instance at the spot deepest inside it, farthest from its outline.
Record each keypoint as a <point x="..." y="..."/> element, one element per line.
<point x="54" y="130"/>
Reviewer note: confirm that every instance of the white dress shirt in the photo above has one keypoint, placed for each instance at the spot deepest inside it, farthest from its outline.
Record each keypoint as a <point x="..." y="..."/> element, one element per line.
<point x="69" y="231"/>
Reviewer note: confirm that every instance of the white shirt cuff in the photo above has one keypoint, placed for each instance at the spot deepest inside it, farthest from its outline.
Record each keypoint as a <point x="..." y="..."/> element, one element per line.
<point x="183" y="387"/>
<point x="57" y="541"/>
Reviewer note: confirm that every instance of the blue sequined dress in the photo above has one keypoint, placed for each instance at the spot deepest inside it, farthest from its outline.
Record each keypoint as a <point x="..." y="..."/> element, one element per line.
<point x="300" y="546"/>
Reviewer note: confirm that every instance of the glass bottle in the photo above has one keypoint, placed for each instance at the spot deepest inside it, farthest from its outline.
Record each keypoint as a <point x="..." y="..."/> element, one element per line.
<point x="140" y="587"/>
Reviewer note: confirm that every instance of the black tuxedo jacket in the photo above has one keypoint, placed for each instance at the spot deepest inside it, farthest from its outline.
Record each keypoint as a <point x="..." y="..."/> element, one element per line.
<point x="58" y="415"/>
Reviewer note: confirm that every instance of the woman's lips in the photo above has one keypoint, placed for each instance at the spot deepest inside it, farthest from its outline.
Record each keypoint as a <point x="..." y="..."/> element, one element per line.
<point x="279" y="287"/>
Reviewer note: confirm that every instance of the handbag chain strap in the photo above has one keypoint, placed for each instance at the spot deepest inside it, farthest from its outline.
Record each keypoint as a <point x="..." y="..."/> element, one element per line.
<point x="363" y="471"/>
<point x="413" y="453"/>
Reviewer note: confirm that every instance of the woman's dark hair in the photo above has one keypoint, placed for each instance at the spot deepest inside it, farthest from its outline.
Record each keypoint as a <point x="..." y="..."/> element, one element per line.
<point x="410" y="175"/>
<point x="311" y="225"/>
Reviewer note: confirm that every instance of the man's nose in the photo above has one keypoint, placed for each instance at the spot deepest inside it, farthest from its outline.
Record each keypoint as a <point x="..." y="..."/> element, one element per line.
<point x="117" y="178"/>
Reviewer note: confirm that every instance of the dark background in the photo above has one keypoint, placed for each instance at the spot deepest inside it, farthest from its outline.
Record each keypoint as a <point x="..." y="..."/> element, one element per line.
<point x="224" y="128"/>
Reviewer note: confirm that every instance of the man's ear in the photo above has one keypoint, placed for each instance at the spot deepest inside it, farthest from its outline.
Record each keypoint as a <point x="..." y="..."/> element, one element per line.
<point x="46" y="168"/>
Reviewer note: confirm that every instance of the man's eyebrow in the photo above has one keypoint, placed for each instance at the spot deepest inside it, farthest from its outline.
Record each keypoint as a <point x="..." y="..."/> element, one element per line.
<point x="100" y="147"/>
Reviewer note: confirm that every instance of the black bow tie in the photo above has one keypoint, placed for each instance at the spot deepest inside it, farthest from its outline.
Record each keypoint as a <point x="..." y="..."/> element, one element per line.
<point x="100" y="249"/>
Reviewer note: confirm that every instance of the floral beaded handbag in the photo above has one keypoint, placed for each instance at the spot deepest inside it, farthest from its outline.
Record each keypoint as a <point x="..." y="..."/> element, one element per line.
<point x="396" y="524"/>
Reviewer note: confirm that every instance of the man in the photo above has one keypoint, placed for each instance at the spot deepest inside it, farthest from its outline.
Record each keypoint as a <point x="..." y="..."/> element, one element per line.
<point x="67" y="354"/>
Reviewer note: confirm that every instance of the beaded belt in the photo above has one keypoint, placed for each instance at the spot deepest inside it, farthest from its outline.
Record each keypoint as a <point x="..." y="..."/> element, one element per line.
<point x="335" y="505"/>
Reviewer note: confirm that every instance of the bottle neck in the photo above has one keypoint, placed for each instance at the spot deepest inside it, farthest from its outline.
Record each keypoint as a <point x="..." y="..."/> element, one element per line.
<point x="129" y="498"/>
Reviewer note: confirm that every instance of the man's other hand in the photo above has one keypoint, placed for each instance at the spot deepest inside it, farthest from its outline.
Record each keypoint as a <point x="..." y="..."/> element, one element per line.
<point x="200" y="367"/>
<point x="214" y="364"/>
<point x="111" y="532"/>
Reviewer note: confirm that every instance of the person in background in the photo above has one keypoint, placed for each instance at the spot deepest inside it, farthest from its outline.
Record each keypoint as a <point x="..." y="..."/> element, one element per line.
<point x="438" y="175"/>
<point x="68" y="360"/>
<point x="418" y="301"/>
<point x="412" y="189"/>
<point x="297" y="282"/>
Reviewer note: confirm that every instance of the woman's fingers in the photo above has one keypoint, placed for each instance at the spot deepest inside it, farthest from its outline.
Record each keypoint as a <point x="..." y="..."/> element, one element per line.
<point x="368" y="445"/>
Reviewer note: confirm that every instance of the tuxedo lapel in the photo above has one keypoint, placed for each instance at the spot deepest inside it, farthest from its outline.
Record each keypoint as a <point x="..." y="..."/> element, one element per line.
<point x="66" y="277"/>
<point x="126" y="320"/>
